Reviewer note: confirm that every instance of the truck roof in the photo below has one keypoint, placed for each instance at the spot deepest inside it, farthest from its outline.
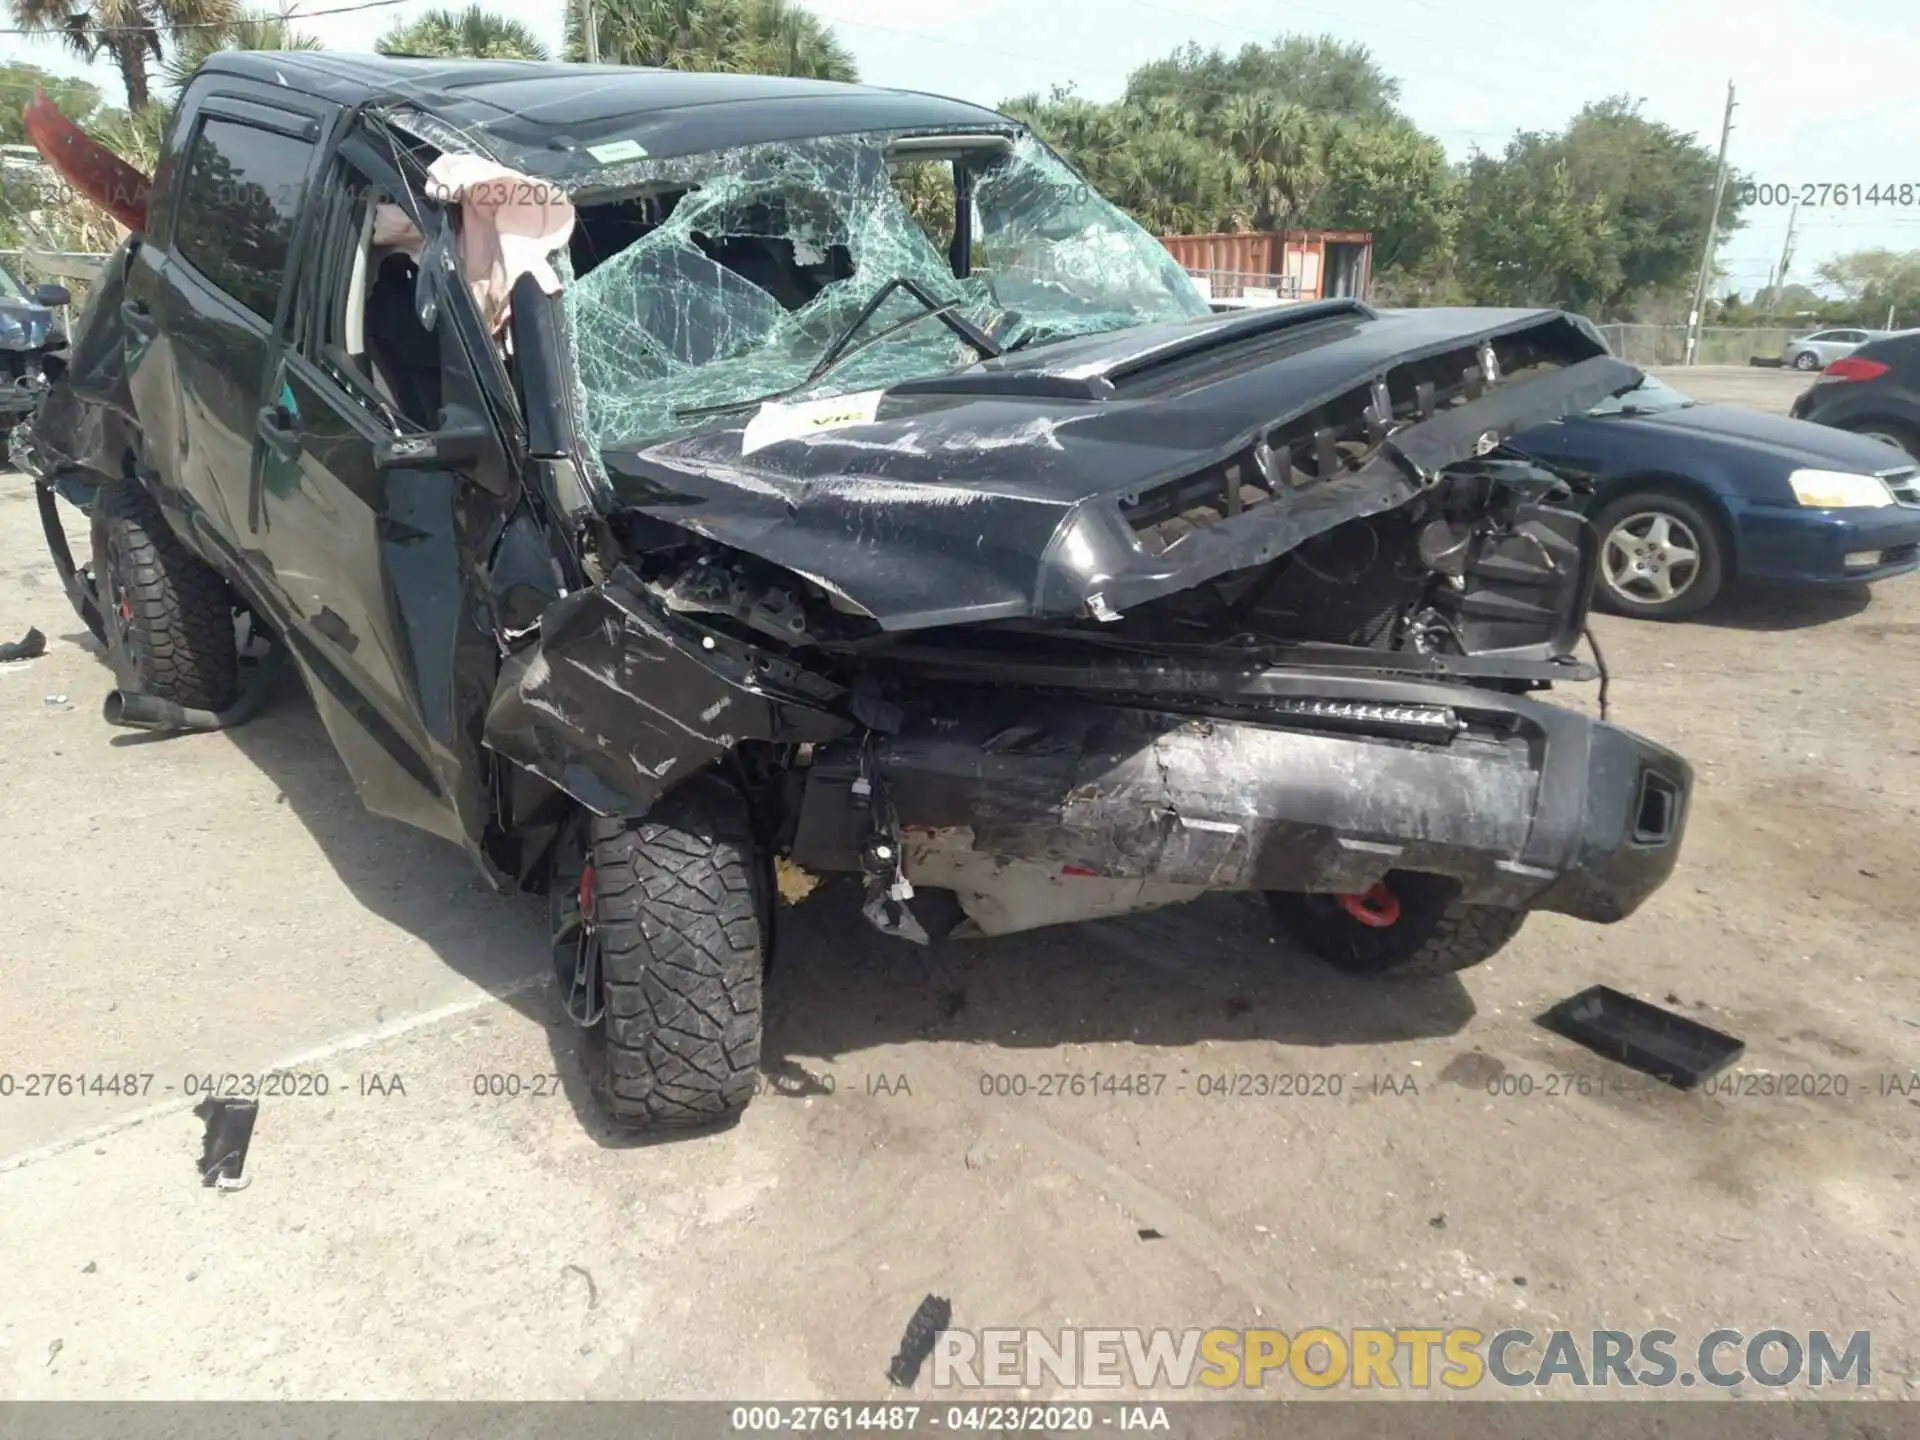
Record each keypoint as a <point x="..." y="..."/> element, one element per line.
<point x="543" y="115"/>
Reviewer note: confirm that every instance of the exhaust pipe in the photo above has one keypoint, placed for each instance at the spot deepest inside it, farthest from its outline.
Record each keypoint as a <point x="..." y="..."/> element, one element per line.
<point x="132" y="710"/>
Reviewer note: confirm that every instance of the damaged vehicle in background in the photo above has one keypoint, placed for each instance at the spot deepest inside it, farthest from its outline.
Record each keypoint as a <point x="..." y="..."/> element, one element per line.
<point x="833" y="476"/>
<point x="31" y="345"/>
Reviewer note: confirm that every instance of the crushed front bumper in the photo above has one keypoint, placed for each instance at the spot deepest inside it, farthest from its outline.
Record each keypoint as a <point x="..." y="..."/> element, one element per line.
<point x="1527" y="805"/>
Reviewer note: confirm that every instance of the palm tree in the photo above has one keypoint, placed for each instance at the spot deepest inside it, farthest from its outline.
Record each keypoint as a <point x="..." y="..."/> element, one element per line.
<point x="476" y="32"/>
<point x="766" y="37"/>
<point x="785" y="39"/>
<point x="131" y="32"/>
<point x="246" y="30"/>
<point x="1278" y="152"/>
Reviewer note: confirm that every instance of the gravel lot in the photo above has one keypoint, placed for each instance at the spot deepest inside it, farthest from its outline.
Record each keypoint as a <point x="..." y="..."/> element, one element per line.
<point x="212" y="904"/>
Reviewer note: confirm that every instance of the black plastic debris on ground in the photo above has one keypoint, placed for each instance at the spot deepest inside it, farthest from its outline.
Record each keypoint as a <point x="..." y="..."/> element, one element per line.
<point x="1656" y="1042"/>
<point x="933" y="1316"/>
<point x="223" y="1152"/>
<point x="1149" y="1233"/>
<point x="30" y="646"/>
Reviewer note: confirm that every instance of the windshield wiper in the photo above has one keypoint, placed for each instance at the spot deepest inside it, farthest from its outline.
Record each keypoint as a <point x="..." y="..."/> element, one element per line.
<point x="841" y="349"/>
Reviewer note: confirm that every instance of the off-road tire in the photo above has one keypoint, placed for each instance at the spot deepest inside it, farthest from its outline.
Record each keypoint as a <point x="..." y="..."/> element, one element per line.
<point x="1435" y="934"/>
<point x="682" y="903"/>
<point x="174" y="613"/>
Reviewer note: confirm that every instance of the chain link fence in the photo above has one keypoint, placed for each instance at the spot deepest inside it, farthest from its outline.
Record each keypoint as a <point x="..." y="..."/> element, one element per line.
<point x="1718" y="344"/>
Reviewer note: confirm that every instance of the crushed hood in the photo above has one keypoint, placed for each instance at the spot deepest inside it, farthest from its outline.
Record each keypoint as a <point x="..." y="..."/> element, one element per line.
<point x="1016" y="487"/>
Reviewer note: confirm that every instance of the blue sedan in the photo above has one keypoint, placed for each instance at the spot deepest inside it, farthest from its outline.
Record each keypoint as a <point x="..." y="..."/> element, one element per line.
<point x="1688" y="497"/>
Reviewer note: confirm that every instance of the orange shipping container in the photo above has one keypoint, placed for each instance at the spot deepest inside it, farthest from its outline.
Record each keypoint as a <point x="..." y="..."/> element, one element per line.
<point x="1297" y="264"/>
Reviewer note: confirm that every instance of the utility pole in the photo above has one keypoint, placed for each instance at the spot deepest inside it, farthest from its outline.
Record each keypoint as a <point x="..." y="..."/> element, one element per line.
<point x="1713" y="230"/>
<point x="1779" y="281"/>
<point x="590" y="28"/>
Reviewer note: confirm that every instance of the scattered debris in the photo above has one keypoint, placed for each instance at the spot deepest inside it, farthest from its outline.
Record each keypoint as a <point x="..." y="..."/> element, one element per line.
<point x="88" y="1268"/>
<point x="1149" y="1233"/>
<point x="30" y="646"/>
<point x="58" y="702"/>
<point x="54" y="1349"/>
<point x="978" y="1154"/>
<point x="1669" y="1047"/>
<point x="793" y="883"/>
<point x="1521" y="1281"/>
<point x="223" y="1153"/>
<point x="1438" y="1222"/>
<point x="933" y="1316"/>
<point x="593" y="1290"/>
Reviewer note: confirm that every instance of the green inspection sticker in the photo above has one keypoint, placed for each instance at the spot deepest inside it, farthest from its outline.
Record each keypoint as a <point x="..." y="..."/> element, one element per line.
<point x="616" y="150"/>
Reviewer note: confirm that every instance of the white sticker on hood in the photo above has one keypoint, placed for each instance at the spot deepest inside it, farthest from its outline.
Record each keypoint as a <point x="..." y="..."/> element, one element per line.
<point x="777" y="420"/>
<point x="614" y="151"/>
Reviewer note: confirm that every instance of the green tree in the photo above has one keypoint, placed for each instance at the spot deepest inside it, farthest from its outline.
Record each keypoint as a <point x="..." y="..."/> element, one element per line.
<point x="1527" y="235"/>
<point x="1608" y="216"/>
<point x="476" y="31"/>
<point x="1873" y="281"/>
<point x="1389" y="178"/>
<point x="767" y="37"/>
<point x="1318" y="73"/>
<point x="130" y="33"/>
<point x="78" y="100"/>
<point x="243" y="30"/>
<point x="1656" y="184"/>
<point x="1304" y="131"/>
<point x="1277" y="150"/>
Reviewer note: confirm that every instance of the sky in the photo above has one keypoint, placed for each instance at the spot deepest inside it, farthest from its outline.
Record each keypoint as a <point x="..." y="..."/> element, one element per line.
<point x="1822" y="87"/>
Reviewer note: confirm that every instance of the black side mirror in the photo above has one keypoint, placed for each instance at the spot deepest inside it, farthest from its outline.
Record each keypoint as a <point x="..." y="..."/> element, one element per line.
<point x="451" y="449"/>
<point x="51" y="296"/>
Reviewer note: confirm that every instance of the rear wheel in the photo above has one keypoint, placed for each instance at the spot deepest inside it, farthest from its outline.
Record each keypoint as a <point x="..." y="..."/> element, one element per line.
<point x="169" y="616"/>
<point x="1409" y="926"/>
<point x="660" y="929"/>
<point x="1806" y="360"/>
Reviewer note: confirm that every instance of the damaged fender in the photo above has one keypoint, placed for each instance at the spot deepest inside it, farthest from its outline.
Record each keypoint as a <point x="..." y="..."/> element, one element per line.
<point x="620" y="699"/>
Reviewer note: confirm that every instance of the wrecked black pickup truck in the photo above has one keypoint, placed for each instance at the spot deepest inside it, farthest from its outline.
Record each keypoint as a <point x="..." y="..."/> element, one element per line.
<point x="654" y="474"/>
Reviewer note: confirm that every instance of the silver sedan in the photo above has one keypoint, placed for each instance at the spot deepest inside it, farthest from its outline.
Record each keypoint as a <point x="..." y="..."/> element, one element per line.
<point x="1823" y="347"/>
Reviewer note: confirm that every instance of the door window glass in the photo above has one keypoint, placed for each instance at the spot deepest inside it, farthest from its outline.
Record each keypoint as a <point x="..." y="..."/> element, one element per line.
<point x="241" y="198"/>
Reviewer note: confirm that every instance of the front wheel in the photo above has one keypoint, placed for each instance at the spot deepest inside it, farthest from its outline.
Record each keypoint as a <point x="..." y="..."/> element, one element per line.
<point x="168" y="616"/>
<point x="1661" y="557"/>
<point x="660" y="928"/>
<point x="1410" y="926"/>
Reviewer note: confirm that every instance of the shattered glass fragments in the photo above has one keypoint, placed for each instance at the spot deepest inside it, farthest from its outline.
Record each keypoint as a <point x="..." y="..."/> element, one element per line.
<point x="766" y="254"/>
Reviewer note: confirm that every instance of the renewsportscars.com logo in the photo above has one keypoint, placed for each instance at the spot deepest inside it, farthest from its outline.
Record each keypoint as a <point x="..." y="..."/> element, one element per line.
<point x="1380" y="1359"/>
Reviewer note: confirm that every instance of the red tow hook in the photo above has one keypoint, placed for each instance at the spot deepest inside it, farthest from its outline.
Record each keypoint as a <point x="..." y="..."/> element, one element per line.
<point x="586" y="894"/>
<point x="1378" y="908"/>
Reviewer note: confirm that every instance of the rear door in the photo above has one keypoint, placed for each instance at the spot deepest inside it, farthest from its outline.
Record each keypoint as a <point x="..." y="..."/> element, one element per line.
<point x="378" y="562"/>
<point x="205" y="301"/>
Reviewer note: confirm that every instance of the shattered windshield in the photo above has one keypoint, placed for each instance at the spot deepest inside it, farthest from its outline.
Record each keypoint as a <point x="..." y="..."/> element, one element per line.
<point x="728" y="278"/>
<point x="1651" y="396"/>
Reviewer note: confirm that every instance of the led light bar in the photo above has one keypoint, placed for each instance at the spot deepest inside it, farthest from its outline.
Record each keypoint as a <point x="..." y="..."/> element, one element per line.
<point x="1432" y="721"/>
